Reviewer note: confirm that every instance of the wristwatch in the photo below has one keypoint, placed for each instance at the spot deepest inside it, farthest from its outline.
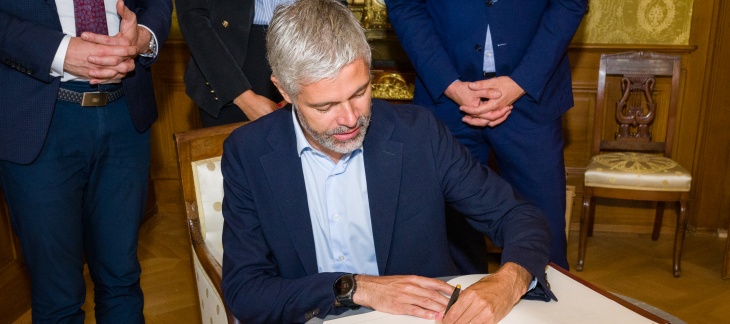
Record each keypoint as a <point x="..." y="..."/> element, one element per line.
<point x="151" y="50"/>
<point x="344" y="288"/>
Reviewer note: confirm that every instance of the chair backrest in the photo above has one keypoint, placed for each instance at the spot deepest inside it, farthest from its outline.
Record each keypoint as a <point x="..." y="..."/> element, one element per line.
<point x="644" y="87"/>
<point x="199" y="152"/>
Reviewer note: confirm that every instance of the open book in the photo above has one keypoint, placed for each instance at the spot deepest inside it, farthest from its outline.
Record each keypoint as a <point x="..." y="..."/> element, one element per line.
<point x="577" y="303"/>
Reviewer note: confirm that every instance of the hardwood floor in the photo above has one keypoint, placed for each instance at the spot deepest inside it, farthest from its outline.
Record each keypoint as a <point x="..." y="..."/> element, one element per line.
<point x="628" y="264"/>
<point x="635" y="266"/>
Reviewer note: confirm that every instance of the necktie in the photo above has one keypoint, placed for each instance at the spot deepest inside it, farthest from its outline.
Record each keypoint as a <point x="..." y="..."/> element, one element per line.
<point x="90" y="16"/>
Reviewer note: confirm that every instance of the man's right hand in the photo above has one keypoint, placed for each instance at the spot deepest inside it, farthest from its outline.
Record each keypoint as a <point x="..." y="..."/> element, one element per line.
<point x="410" y="295"/>
<point x="253" y="105"/>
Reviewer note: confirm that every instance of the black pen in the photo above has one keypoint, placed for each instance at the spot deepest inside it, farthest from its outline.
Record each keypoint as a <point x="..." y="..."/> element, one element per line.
<point x="454" y="297"/>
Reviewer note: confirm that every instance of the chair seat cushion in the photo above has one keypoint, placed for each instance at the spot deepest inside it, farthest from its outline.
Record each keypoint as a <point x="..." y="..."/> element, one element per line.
<point x="636" y="171"/>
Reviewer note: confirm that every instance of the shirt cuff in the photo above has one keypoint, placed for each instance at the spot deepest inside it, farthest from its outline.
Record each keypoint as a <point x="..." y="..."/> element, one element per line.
<point x="533" y="284"/>
<point x="154" y="46"/>
<point x="60" y="57"/>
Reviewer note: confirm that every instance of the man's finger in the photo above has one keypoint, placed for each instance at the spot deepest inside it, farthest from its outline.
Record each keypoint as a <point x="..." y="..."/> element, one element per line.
<point x="105" y="39"/>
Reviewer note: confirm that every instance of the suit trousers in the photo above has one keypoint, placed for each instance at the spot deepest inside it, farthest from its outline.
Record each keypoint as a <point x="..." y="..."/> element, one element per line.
<point x="82" y="198"/>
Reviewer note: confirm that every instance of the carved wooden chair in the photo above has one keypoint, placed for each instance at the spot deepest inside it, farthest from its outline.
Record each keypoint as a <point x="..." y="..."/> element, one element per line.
<point x="199" y="153"/>
<point x="632" y="144"/>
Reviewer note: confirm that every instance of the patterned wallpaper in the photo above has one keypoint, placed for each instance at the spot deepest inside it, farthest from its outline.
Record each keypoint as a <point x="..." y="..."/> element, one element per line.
<point x="660" y="22"/>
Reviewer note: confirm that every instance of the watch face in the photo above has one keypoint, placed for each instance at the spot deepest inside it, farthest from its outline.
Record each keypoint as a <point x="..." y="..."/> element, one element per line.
<point x="344" y="285"/>
<point x="379" y="3"/>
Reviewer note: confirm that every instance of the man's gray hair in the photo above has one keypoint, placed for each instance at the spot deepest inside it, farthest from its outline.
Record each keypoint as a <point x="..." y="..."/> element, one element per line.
<point x="312" y="40"/>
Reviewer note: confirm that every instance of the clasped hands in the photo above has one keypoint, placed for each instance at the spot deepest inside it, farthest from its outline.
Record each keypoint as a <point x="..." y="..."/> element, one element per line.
<point x="486" y="301"/>
<point x="102" y="58"/>
<point x="485" y="102"/>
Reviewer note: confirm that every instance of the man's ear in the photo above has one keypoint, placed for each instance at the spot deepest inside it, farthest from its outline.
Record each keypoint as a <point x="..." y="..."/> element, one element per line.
<point x="286" y="96"/>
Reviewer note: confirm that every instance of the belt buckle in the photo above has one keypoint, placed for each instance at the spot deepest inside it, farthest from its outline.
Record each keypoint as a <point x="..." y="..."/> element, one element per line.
<point x="94" y="99"/>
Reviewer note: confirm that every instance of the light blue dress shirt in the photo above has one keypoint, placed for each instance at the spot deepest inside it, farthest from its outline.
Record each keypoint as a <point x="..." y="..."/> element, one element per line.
<point x="264" y="10"/>
<point x="489" y="65"/>
<point x="338" y="207"/>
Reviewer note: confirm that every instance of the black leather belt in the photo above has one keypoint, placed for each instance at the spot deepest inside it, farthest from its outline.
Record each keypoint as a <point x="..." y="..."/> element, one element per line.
<point x="90" y="99"/>
<point x="489" y="75"/>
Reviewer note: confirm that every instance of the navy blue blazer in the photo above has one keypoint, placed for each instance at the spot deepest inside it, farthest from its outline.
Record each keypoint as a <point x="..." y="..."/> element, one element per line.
<point x="445" y="42"/>
<point x="413" y="167"/>
<point x="31" y="33"/>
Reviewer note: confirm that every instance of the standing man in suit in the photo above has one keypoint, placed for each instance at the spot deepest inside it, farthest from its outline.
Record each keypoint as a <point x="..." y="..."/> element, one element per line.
<point x="463" y="52"/>
<point x="337" y="201"/>
<point x="77" y="104"/>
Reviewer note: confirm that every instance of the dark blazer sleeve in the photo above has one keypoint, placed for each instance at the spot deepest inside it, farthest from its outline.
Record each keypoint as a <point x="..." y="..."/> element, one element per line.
<point x="420" y="39"/>
<point x="28" y="46"/>
<point x="491" y="206"/>
<point x="216" y="32"/>
<point x="157" y="16"/>
<point x="548" y="46"/>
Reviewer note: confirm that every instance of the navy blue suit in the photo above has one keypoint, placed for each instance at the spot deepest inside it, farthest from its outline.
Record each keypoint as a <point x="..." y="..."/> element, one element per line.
<point x="75" y="178"/>
<point x="413" y="167"/>
<point x="445" y="40"/>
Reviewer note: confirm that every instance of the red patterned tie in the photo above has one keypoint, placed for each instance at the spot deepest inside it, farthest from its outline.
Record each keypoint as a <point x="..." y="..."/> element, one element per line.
<point x="90" y="16"/>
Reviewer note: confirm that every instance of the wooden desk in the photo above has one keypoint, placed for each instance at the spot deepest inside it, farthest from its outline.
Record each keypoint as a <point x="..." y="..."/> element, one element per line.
<point x="579" y="302"/>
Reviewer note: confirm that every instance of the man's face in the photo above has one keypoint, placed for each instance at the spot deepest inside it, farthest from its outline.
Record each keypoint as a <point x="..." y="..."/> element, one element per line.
<point x="335" y="113"/>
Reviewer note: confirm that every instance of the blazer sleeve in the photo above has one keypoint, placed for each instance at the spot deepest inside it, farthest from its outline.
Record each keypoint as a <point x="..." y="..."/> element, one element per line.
<point x="418" y="37"/>
<point x="211" y="54"/>
<point x="491" y="206"/>
<point x="157" y="16"/>
<point x="27" y="46"/>
<point x="549" y="45"/>
<point x="252" y="285"/>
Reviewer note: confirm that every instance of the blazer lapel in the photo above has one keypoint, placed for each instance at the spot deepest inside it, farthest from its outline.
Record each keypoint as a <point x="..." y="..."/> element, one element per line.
<point x="283" y="170"/>
<point x="383" y="166"/>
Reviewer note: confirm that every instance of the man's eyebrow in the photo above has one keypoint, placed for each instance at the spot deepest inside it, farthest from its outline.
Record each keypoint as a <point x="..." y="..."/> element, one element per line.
<point x="358" y="90"/>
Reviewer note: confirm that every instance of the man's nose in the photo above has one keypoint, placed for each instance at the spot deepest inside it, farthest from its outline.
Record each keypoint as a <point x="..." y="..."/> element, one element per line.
<point x="348" y="114"/>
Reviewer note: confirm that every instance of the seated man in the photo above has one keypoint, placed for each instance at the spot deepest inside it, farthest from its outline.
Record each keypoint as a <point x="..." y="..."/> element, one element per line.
<point x="337" y="201"/>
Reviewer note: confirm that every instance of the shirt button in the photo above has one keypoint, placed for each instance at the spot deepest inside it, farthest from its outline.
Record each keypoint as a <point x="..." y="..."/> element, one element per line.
<point x="336" y="217"/>
<point x="341" y="258"/>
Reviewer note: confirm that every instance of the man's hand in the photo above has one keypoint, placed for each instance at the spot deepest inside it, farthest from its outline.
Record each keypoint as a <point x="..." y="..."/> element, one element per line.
<point x="491" y="298"/>
<point x="253" y="105"/>
<point x="409" y="295"/>
<point x="108" y="63"/>
<point x="495" y="110"/>
<point x="472" y="100"/>
<point x="131" y="37"/>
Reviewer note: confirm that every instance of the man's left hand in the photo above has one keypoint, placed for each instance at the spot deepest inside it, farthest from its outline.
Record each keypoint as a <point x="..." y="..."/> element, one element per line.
<point x="490" y="299"/>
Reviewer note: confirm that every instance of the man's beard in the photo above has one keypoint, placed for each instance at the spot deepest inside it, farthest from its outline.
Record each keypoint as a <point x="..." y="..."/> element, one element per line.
<point x="328" y="141"/>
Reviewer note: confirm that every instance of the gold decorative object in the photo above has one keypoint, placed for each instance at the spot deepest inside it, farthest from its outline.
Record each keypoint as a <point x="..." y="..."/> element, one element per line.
<point x="391" y="86"/>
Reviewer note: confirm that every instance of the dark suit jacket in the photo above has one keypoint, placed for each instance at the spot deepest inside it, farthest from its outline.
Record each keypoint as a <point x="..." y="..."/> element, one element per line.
<point x="530" y="39"/>
<point x="413" y="167"/>
<point x="31" y="33"/>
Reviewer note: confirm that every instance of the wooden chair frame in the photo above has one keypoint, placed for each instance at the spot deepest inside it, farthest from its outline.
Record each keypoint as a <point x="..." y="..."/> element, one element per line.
<point x="193" y="146"/>
<point x="641" y="64"/>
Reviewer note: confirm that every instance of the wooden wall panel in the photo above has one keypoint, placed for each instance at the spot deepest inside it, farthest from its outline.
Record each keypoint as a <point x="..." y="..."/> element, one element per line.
<point x="712" y="172"/>
<point x="177" y="113"/>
